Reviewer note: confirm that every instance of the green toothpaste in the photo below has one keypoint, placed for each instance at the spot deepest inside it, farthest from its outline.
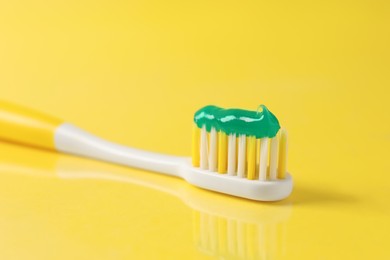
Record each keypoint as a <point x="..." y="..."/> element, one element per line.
<point x="261" y="123"/>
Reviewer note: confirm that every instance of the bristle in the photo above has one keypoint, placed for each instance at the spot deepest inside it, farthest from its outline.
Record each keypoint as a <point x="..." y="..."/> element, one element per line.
<point x="237" y="142"/>
<point x="263" y="159"/>
<point x="195" y="146"/>
<point x="251" y="157"/>
<point x="273" y="161"/>
<point x="213" y="150"/>
<point x="246" y="157"/>
<point x="241" y="156"/>
<point x="232" y="157"/>
<point x="222" y="152"/>
<point x="203" y="149"/>
<point x="257" y="151"/>
<point x="282" y="166"/>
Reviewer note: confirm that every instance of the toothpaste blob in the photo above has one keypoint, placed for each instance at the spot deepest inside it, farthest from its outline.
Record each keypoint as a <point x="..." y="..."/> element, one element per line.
<point x="261" y="123"/>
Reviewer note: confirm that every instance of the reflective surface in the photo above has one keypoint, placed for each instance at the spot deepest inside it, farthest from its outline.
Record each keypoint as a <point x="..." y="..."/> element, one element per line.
<point x="135" y="73"/>
<point x="221" y="226"/>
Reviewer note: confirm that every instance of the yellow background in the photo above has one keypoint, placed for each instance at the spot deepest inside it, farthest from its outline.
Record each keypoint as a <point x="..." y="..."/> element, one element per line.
<point x="135" y="71"/>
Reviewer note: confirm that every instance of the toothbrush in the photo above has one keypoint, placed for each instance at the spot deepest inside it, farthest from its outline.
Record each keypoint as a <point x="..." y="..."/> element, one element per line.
<point x="218" y="163"/>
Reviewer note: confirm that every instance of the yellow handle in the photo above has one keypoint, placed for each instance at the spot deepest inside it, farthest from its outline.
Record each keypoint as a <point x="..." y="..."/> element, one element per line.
<point x="26" y="126"/>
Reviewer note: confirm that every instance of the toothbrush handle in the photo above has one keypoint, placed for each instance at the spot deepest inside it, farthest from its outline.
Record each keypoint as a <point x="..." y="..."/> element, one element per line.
<point x="25" y="126"/>
<point x="28" y="127"/>
<point x="73" y="140"/>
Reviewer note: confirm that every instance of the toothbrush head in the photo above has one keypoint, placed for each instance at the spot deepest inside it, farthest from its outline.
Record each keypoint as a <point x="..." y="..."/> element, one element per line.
<point x="240" y="149"/>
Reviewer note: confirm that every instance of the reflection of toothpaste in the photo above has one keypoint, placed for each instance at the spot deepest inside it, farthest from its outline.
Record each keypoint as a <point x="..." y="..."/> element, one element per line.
<point x="238" y="121"/>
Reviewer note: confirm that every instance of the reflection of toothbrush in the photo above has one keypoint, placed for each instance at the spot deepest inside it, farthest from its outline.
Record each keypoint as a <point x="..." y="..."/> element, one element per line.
<point x="222" y="226"/>
<point x="28" y="127"/>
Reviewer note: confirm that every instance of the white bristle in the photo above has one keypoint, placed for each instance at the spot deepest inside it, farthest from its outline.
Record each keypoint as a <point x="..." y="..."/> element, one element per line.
<point x="273" y="160"/>
<point x="203" y="149"/>
<point x="232" y="154"/>
<point x="263" y="159"/>
<point x="268" y="155"/>
<point x="213" y="150"/>
<point x="241" y="156"/>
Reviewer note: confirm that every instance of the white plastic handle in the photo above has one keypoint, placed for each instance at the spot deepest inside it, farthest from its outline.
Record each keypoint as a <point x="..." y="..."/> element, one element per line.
<point x="73" y="140"/>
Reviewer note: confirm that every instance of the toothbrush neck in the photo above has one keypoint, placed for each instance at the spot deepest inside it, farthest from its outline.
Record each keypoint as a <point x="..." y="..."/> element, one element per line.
<point x="73" y="140"/>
